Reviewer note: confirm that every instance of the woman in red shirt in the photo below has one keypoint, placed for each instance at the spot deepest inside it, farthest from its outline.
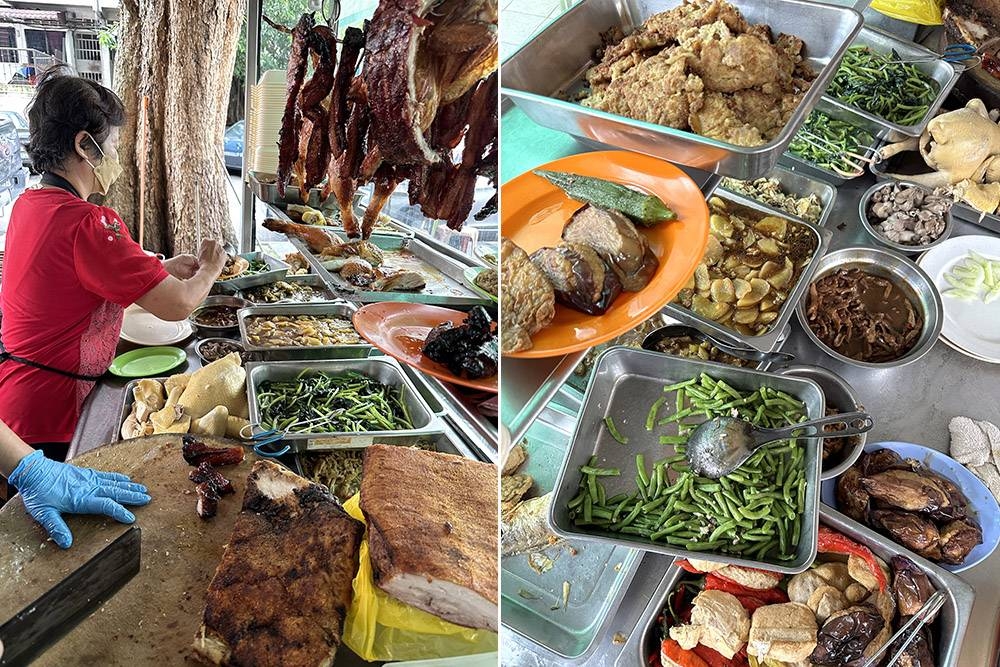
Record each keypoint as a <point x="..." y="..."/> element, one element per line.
<point x="70" y="267"/>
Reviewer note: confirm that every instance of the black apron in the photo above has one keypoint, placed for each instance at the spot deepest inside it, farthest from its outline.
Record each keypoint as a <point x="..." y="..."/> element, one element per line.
<point x="55" y="180"/>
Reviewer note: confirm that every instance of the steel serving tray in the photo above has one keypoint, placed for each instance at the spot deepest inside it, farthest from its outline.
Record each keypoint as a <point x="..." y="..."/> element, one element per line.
<point x="384" y="369"/>
<point x="798" y="185"/>
<point x="265" y="187"/>
<point x="276" y="271"/>
<point x="949" y="628"/>
<point x="623" y="386"/>
<point x="556" y="59"/>
<point x="127" y="402"/>
<point x="599" y="574"/>
<point x="944" y="74"/>
<point x="341" y="309"/>
<point x="308" y="280"/>
<point x="767" y="341"/>
<point x="796" y="164"/>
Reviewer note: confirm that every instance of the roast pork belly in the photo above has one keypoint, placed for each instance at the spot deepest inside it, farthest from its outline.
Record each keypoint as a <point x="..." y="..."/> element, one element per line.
<point x="432" y="531"/>
<point x="617" y="241"/>
<point x="284" y="584"/>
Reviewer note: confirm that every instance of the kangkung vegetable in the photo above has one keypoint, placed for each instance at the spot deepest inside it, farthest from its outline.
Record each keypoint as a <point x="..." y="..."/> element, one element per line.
<point x="754" y="512"/>
<point x="882" y="85"/>
<point x="825" y="142"/>
<point x="325" y="403"/>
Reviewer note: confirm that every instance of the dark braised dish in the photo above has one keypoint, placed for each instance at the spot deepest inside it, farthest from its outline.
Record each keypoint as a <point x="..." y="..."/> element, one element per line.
<point x="216" y="316"/>
<point x="909" y="503"/>
<point x="834" y="449"/>
<point x="469" y="350"/>
<point x="216" y="349"/>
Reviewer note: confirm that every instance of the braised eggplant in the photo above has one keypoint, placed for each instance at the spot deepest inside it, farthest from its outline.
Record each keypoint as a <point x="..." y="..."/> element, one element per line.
<point x="579" y="277"/>
<point x="907" y="490"/>
<point x="958" y="538"/>
<point x="846" y="634"/>
<point x="852" y="499"/>
<point x="911" y="530"/>
<point x="910" y="585"/>
<point x="617" y="241"/>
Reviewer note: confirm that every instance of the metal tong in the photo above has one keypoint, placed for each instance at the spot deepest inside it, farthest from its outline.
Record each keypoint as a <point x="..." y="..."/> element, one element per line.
<point x="738" y="351"/>
<point x="910" y="630"/>
<point x="855" y="160"/>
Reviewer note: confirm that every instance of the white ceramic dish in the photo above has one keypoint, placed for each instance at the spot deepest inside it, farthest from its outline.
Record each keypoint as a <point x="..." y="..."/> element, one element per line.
<point x="143" y="328"/>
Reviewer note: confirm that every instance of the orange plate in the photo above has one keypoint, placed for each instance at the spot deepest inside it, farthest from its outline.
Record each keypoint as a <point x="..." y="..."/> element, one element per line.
<point x="535" y="212"/>
<point x="399" y="329"/>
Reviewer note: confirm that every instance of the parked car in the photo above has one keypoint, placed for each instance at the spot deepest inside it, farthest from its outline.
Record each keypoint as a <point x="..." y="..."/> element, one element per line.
<point x="232" y="146"/>
<point x="13" y="174"/>
<point x="21" y="124"/>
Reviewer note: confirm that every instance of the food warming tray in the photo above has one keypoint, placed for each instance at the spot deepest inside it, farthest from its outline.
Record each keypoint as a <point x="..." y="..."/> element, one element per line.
<point x="265" y="187"/>
<point x="624" y="385"/>
<point x="276" y="271"/>
<point x="340" y="309"/>
<point x="798" y="185"/>
<point x="127" y="402"/>
<point x="443" y="275"/>
<point x="541" y="72"/>
<point x="949" y="629"/>
<point x="309" y="280"/>
<point x="384" y="369"/>
<point x="767" y="341"/>
<point x="599" y="574"/>
<point x="943" y="73"/>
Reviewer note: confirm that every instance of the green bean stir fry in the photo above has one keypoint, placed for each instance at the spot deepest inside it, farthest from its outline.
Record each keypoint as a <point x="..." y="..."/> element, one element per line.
<point x="835" y="139"/>
<point x="755" y="512"/>
<point x="882" y="85"/>
<point x="324" y="403"/>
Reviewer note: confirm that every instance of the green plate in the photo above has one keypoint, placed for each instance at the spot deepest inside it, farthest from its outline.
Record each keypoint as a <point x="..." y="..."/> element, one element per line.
<point x="147" y="361"/>
<point x="470" y="280"/>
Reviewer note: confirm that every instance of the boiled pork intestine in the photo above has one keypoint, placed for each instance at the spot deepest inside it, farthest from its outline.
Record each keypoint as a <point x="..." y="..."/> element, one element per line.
<point x="962" y="147"/>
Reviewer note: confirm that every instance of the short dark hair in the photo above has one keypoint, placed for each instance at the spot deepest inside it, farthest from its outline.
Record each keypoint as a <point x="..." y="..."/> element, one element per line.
<point x="65" y="104"/>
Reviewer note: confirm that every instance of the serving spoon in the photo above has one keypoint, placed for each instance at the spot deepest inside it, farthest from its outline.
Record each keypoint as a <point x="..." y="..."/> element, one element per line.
<point x="680" y="330"/>
<point x="721" y="445"/>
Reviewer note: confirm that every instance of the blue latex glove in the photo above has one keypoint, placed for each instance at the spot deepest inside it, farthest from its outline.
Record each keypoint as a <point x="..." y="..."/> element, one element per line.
<point x="50" y="488"/>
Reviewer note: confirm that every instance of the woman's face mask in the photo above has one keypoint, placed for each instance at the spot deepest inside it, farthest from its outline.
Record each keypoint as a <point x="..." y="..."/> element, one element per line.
<point x="107" y="171"/>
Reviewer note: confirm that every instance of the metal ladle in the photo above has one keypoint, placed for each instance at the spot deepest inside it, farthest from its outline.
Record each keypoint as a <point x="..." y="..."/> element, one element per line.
<point x="680" y="330"/>
<point x="721" y="445"/>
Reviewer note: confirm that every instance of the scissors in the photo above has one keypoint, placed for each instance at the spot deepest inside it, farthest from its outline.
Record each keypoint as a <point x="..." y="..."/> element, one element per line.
<point x="965" y="54"/>
<point x="263" y="439"/>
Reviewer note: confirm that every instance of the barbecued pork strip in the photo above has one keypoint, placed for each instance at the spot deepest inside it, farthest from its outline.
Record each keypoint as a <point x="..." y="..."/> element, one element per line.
<point x="432" y="531"/>
<point x="282" y="589"/>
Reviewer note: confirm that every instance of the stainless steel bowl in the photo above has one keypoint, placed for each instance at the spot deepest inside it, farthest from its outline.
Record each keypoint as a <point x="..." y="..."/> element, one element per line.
<point x="909" y="277"/>
<point x="216" y="339"/>
<point x="949" y="223"/>
<point x="840" y="396"/>
<point x="217" y="300"/>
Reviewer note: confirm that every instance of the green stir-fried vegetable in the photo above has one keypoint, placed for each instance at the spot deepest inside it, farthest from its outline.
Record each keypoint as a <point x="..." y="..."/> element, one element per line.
<point x="325" y="403"/>
<point x="824" y="142"/>
<point x="882" y="85"/>
<point x="754" y="512"/>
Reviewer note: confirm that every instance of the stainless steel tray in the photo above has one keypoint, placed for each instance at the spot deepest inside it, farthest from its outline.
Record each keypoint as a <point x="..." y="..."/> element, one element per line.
<point x="277" y="271"/>
<point x="264" y="187"/>
<point x="930" y="63"/>
<point x="798" y="185"/>
<point x="310" y="280"/>
<point x="623" y="386"/>
<point x="948" y="630"/>
<point x="443" y="275"/>
<point x="383" y="369"/>
<point x="556" y="59"/>
<point x="300" y="352"/>
<point x="599" y="574"/>
<point x="766" y="341"/>
<point x="796" y="164"/>
<point x="959" y="210"/>
<point x="128" y="400"/>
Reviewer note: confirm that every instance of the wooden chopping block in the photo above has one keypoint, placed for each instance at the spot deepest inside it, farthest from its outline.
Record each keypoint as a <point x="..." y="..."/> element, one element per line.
<point x="152" y="619"/>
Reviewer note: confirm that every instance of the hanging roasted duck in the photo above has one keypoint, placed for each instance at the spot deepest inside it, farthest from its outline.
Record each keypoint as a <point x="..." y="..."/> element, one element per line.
<point x="298" y="60"/>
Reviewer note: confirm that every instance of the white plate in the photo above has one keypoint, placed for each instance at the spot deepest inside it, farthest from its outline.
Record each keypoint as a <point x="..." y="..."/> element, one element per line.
<point x="143" y="328"/>
<point x="972" y="326"/>
<point x="966" y="352"/>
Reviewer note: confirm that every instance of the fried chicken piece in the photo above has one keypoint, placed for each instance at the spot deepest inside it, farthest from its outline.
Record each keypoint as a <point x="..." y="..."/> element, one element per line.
<point x="657" y="90"/>
<point x="528" y="300"/>
<point x="728" y="63"/>
<point x="718" y="119"/>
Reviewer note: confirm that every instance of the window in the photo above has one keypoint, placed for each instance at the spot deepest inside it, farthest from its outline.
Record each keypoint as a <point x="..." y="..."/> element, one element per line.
<point x="87" y="47"/>
<point x="8" y="46"/>
<point x="92" y="76"/>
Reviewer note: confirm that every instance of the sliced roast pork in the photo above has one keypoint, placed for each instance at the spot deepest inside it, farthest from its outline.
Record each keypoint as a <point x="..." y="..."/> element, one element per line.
<point x="432" y="531"/>
<point x="617" y="241"/>
<point x="579" y="276"/>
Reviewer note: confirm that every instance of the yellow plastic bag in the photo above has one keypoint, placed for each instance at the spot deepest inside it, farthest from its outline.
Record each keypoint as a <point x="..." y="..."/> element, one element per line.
<point x="924" y="12"/>
<point x="379" y="627"/>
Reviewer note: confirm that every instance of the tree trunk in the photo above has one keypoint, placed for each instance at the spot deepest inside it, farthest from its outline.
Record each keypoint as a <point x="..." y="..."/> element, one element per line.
<point x="179" y="54"/>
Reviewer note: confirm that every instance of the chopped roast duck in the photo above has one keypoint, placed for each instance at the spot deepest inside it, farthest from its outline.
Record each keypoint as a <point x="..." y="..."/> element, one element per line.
<point x="617" y="241"/>
<point x="284" y="584"/>
<point x="432" y="531"/>
<point x="579" y="276"/>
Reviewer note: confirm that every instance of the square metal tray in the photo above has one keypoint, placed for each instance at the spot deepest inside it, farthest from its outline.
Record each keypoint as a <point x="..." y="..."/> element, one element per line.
<point x="277" y="271"/>
<point x="766" y="341"/>
<point x="265" y="188"/>
<point x="310" y="280"/>
<point x="557" y="58"/>
<point x="599" y="574"/>
<point x="948" y="630"/>
<point x="341" y="309"/>
<point x="384" y="369"/>
<point x="622" y="387"/>
<point x="798" y="185"/>
<point x="943" y="73"/>
<point x="128" y="400"/>
<point x="796" y="164"/>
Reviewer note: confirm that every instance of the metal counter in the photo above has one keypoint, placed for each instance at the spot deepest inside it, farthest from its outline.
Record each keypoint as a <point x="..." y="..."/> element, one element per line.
<point x="913" y="403"/>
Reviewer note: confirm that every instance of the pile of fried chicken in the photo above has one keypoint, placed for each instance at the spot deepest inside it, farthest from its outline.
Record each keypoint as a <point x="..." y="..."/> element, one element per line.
<point x="427" y="86"/>
<point x="702" y="67"/>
